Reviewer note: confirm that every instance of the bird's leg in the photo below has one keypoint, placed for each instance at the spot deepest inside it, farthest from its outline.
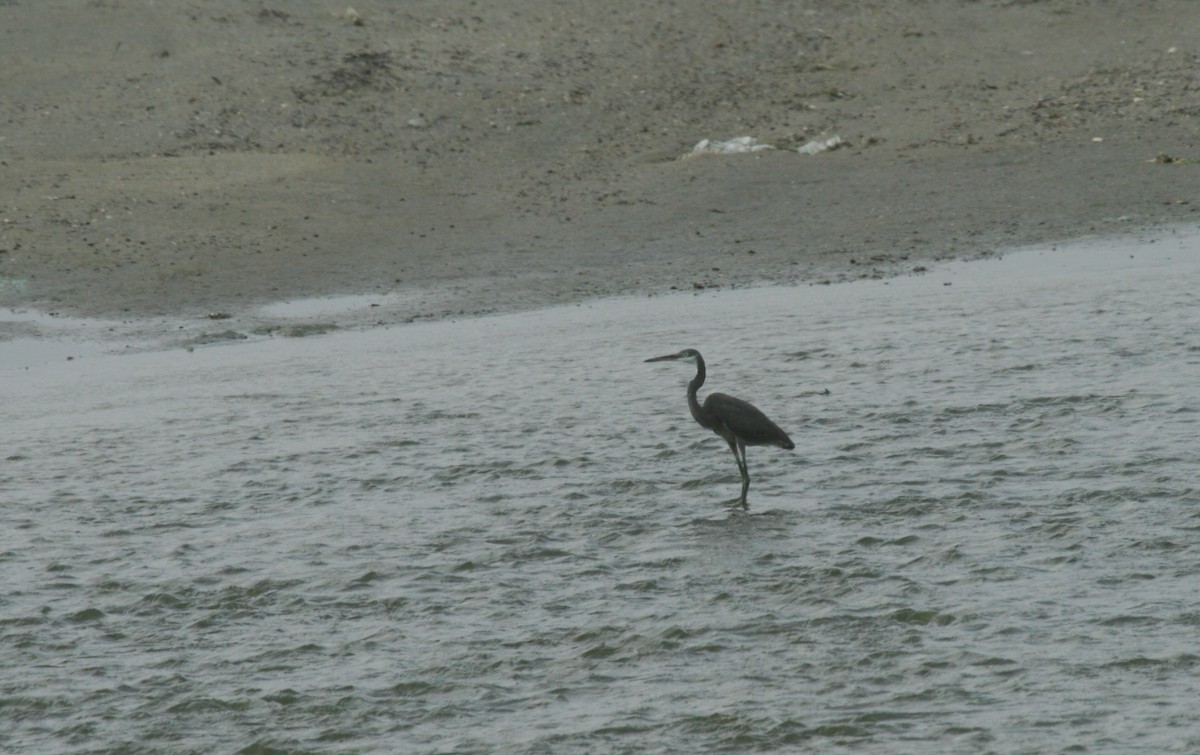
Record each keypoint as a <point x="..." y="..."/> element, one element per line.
<point x="745" y="470"/>
<point x="740" y="459"/>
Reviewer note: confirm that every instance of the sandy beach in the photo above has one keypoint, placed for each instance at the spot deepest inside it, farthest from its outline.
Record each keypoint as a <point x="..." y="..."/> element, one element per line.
<point x="183" y="159"/>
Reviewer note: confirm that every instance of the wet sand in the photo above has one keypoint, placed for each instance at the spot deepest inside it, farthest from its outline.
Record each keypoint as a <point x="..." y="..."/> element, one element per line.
<point x="170" y="160"/>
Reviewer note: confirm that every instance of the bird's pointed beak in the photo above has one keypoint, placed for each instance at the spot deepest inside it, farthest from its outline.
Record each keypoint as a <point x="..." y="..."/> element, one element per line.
<point x="663" y="358"/>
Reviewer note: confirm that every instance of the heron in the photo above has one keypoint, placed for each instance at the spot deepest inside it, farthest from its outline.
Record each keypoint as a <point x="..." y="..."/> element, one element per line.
<point x="739" y="422"/>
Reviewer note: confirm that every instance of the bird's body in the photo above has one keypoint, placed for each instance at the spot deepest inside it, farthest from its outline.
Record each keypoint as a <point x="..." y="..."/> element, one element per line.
<point x="739" y="422"/>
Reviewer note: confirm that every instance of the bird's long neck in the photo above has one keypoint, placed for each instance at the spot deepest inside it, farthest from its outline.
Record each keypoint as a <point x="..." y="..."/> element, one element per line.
<point x="693" y="402"/>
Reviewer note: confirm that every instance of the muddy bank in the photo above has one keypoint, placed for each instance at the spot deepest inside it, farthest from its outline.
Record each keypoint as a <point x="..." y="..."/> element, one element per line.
<point x="169" y="160"/>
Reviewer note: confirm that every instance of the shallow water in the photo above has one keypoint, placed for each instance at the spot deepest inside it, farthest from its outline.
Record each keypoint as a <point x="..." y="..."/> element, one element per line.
<point x="507" y="534"/>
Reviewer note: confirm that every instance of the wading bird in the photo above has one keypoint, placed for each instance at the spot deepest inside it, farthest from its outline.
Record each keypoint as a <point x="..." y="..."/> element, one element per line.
<point x="740" y="423"/>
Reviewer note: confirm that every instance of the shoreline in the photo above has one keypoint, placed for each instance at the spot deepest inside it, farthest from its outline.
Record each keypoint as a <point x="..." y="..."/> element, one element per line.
<point x="30" y="336"/>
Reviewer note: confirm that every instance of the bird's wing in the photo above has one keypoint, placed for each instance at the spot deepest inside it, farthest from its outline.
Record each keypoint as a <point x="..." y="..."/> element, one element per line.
<point x="745" y="420"/>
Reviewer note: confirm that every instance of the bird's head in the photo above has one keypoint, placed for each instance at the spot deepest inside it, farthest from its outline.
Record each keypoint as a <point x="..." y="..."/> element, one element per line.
<point x="687" y="355"/>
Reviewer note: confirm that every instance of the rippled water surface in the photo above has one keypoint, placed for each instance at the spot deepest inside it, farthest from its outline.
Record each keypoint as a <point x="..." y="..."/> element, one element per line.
<point x="507" y="534"/>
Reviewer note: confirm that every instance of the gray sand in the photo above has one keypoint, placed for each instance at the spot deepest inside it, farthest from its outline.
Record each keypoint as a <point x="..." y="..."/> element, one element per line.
<point x="185" y="158"/>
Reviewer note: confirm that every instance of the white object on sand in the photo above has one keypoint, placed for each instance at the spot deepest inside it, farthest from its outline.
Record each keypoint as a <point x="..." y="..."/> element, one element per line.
<point x="820" y="145"/>
<point x="737" y="145"/>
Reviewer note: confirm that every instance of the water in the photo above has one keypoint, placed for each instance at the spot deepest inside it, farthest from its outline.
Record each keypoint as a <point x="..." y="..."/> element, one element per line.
<point x="506" y="534"/>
